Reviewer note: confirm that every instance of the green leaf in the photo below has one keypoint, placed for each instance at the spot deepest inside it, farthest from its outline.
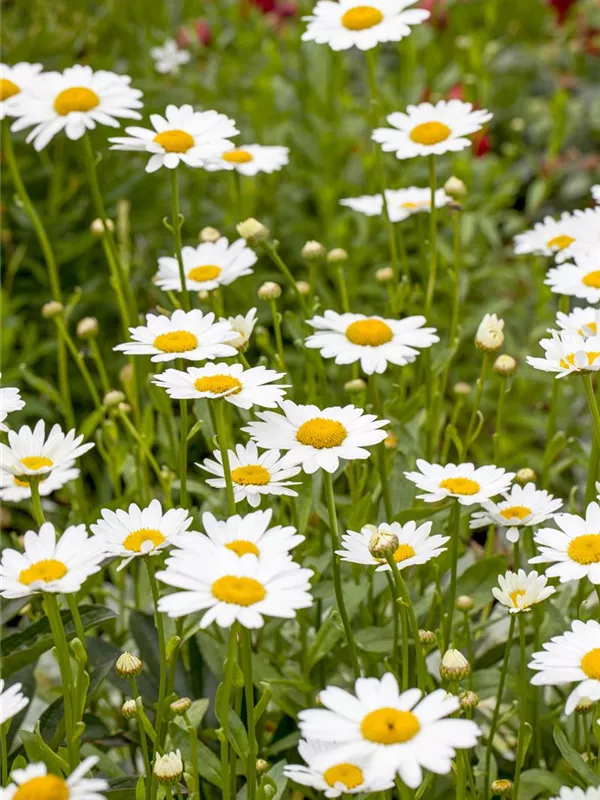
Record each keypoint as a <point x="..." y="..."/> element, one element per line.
<point x="575" y="760"/>
<point x="478" y="580"/>
<point x="37" y="750"/>
<point x="236" y="734"/>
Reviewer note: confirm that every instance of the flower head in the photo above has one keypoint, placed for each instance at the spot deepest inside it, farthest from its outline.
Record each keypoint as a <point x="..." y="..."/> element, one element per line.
<point x="14" y="490"/>
<point x="581" y="321"/>
<point x="34" y="782"/>
<point x="243" y="326"/>
<point x="465" y="482"/>
<point x="520" y="591"/>
<point x="401" y="203"/>
<point x="490" y="336"/>
<point x="415" y="545"/>
<point x="169" y="57"/>
<point x="168" y="767"/>
<point x="206" y="267"/>
<point x="10" y="400"/>
<point x="561" y="237"/>
<point x="13" y="80"/>
<point x="12" y="701"/>
<point x="567" y="353"/>
<point x="574" y="550"/>
<point x="250" y="159"/>
<point x="580" y="278"/>
<point x="30" y="453"/>
<point x="522" y="506"/>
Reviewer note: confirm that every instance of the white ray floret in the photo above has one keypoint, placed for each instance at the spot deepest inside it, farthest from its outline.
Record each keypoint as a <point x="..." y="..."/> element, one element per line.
<point x="35" y="782"/>
<point x="574" y="550"/>
<point x="12" y="701"/>
<point x="581" y="321"/>
<point x="415" y="545"/>
<point x="520" y="591"/>
<point x="243" y="325"/>
<point x="250" y="159"/>
<point x="10" y="400"/>
<point x="561" y="237"/>
<point x="168" y="57"/>
<point x="206" y="267"/>
<point x="14" y="78"/>
<point x="579" y="278"/>
<point x="30" y="453"/>
<point x="566" y="793"/>
<point x="522" y="507"/>
<point x="14" y="490"/>
<point x="401" y="203"/>
<point x="567" y="353"/>
<point x="465" y="482"/>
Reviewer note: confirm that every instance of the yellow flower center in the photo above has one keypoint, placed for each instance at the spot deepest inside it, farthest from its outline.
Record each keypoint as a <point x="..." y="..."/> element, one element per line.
<point x="361" y="17"/>
<point x="49" y="569"/>
<point x="137" y="539"/>
<point x="218" y="384"/>
<point x="410" y="205"/>
<point x="321" y="433"/>
<point x="77" y="98"/>
<point x="349" y="775"/>
<point x="251" y="475"/>
<point x="590" y="664"/>
<point x="36" y="462"/>
<point x="560" y="242"/>
<point x="403" y="551"/>
<point x="206" y="273"/>
<point x="174" y="141"/>
<point x="176" y="342"/>
<point x="369" y="332"/>
<point x="520" y="512"/>
<point x="238" y="156"/>
<point x="514" y="596"/>
<point x="8" y="89"/>
<point x="242" y="546"/>
<point x="238" y="591"/>
<point x="430" y="133"/>
<point x="569" y="360"/>
<point x="592" y="279"/>
<point x="585" y="549"/>
<point x="389" y="726"/>
<point x="460" y="485"/>
<point x="589" y="326"/>
<point x="45" y="787"/>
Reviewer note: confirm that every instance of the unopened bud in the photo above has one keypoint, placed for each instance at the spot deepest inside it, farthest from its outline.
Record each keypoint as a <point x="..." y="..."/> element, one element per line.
<point x="525" y="475"/>
<point x="505" y="365"/>
<point x="355" y="386"/>
<point x="391" y="441"/>
<point x="97" y="227"/>
<point x="468" y="700"/>
<point x="269" y="291"/>
<point x="464" y="602"/>
<point x="517" y="124"/>
<point x="426" y="637"/>
<point x="113" y="398"/>
<point x="203" y="295"/>
<point x="129" y="709"/>
<point x="87" y="327"/>
<point x="126" y="374"/>
<point x="490" y="336"/>
<point x="585" y="705"/>
<point x="52" y="309"/>
<point x="180" y="706"/>
<point x="501" y="788"/>
<point x="252" y="231"/>
<point x="303" y="287"/>
<point x="384" y="275"/>
<point x="128" y="665"/>
<point x="455" y="187"/>
<point x="168" y="768"/>
<point x="313" y="251"/>
<point x="262" y="766"/>
<point x="462" y="388"/>
<point x="383" y="543"/>
<point x="209" y="234"/>
<point x="454" y="666"/>
<point x="337" y="256"/>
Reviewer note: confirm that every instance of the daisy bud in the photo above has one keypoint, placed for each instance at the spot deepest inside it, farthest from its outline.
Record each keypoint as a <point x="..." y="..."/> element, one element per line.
<point x="384" y="275"/>
<point x="313" y="251"/>
<point x="168" y="768"/>
<point x="584" y="706"/>
<point x="203" y="295"/>
<point x="464" y="602"/>
<point x="355" y="386"/>
<point x="180" y="706"/>
<point x="455" y="187"/>
<point x="113" y="398"/>
<point x="454" y="666"/>
<point x="128" y="665"/>
<point x="129" y="709"/>
<point x="489" y="336"/>
<point x="505" y="365"/>
<point x="52" y="309"/>
<point x="337" y="256"/>
<point x="87" y="327"/>
<point x="525" y="475"/>
<point x="391" y="441"/>
<point x="97" y="227"/>
<point x="269" y="291"/>
<point x="383" y="543"/>
<point x="209" y="234"/>
<point x="125" y="408"/>
<point x="126" y="374"/>
<point x="262" y="766"/>
<point x="517" y="124"/>
<point x="462" y="388"/>
<point x="303" y="287"/>
<point x="426" y="637"/>
<point x="468" y="700"/>
<point x="252" y="231"/>
<point x="501" y="788"/>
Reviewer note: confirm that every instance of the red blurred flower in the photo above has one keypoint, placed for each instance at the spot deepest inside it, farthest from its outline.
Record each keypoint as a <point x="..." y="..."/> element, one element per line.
<point x="456" y="92"/>
<point x="482" y="143"/>
<point x="438" y="10"/>
<point x="561" y="9"/>
<point x="203" y="32"/>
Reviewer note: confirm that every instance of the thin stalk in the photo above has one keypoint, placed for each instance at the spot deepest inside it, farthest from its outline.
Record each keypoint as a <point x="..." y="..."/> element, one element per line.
<point x="79" y="360"/>
<point x="500" y="692"/>
<point x="277" y="331"/>
<point x="183" y="449"/>
<point x="162" y="650"/>
<point x="522" y="704"/>
<point x="454" y="532"/>
<point x="403" y="597"/>
<point x="432" y="239"/>
<point x="476" y="402"/>
<point x="4" y="753"/>
<point x="221" y="427"/>
<point x="224" y="711"/>
<point x="144" y="743"/>
<point x="97" y="356"/>
<point x="176" y="225"/>
<point x="36" y="502"/>
<point x="385" y="486"/>
<point x="588" y="388"/>
<point x="499" y="418"/>
<point x="246" y="659"/>
<point x="395" y="620"/>
<point x="278" y="261"/>
<point x="193" y="734"/>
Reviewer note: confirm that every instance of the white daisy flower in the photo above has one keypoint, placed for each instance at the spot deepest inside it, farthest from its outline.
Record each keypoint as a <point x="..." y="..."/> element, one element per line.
<point x="169" y="57"/>
<point x="374" y="341"/>
<point x="250" y="159"/>
<point x="139" y="531"/>
<point x="14" y="490"/>
<point x="206" y="267"/>
<point x="401" y="203"/>
<point x="185" y="334"/>
<point x="50" y="565"/>
<point x="36" y="783"/>
<point x="467" y="483"/>
<point x="581" y="321"/>
<point x="13" y="80"/>
<point x="182" y="135"/>
<point x="228" y="587"/>
<point x="567" y="353"/>
<point x="241" y="387"/>
<point x="566" y="793"/>
<point x="12" y="701"/>
<point x="520" y="591"/>
<point x="560" y="237"/>
<point x="578" y="279"/>
<point x="353" y="24"/>
<point x="10" y="400"/>
<point x="325" y="773"/>
<point x="429" y="129"/>
<point x="253" y="475"/>
<point x="595" y="190"/>
<point x="31" y="453"/>
<point x="574" y="656"/>
<point x="574" y="549"/>
<point x="401" y="732"/>
<point x="75" y="100"/>
<point x="243" y="326"/>
<point x="415" y="545"/>
<point x="522" y="507"/>
<point x="317" y="438"/>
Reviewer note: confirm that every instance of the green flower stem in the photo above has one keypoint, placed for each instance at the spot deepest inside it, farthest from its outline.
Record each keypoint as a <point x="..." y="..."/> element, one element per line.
<point x="4" y="753"/>
<point x="470" y="650"/>
<point x="454" y="533"/>
<point x="183" y="451"/>
<point x="221" y="427"/>
<point x="522" y="704"/>
<point x="337" y="578"/>
<point x="395" y="620"/>
<point x="455" y="278"/>
<point x="499" y="417"/>
<point x="551" y="427"/>
<point x="193" y="734"/>
<point x="115" y="282"/>
<point x="432" y="239"/>
<point x="176" y="225"/>
<point x="278" y="337"/>
<point x="137" y="437"/>
<point x="340" y="275"/>
<point x="36" y="502"/>
<point x="97" y="356"/>
<point x="224" y="711"/>
<point x="162" y="648"/>
<point x="79" y="360"/>
<point x="476" y="403"/>
<point x="496" y="714"/>
<point x="588" y="388"/>
<point x="143" y="742"/>
<point x="403" y="599"/>
<point x="246" y="659"/>
<point x="385" y="486"/>
<point x="282" y="266"/>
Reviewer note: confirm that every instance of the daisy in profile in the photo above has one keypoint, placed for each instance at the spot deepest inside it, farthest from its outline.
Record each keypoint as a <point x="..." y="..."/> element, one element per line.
<point x="250" y="159"/>
<point x="14" y="490"/>
<point x="403" y="732"/>
<point x="185" y="334"/>
<point x="520" y="591"/>
<point x="10" y="400"/>
<point x="253" y="475"/>
<point x="228" y="587"/>
<point x="325" y="773"/>
<point x="139" y="531"/>
<point x="350" y="23"/>
<point x="50" y="565"/>
<point x="169" y="57"/>
<point x="13" y="80"/>
<point x="181" y="136"/>
<point x="581" y="278"/>
<point x="465" y="482"/>
<point x="373" y="341"/>
<point x="581" y="321"/>
<point x="567" y="353"/>
<point x="574" y="550"/>
<point x="12" y="701"/>
<point x="574" y="656"/>
<point x="555" y="237"/>
<point x="317" y="438"/>
<point x="206" y="267"/>
<point x="522" y="507"/>
<point x="36" y="783"/>
<point x="241" y="387"/>
<point x="566" y="793"/>
<point x="429" y="129"/>
<point x="415" y="545"/>
<point x="401" y="203"/>
<point x="243" y="326"/>
<point x="75" y="100"/>
<point x="30" y="453"/>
